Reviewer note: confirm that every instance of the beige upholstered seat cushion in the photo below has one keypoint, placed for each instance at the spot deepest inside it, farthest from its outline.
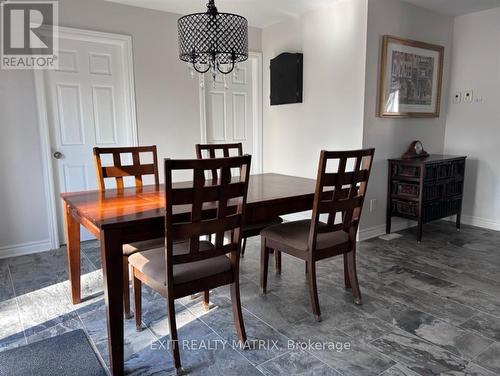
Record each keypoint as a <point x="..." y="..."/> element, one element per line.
<point x="130" y="249"/>
<point x="152" y="264"/>
<point x="296" y="234"/>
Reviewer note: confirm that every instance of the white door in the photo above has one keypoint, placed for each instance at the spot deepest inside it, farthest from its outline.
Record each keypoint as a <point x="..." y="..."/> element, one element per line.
<point x="89" y="103"/>
<point x="232" y="109"/>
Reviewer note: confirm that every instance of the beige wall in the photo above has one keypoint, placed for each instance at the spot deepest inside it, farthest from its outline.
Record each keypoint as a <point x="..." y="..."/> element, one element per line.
<point x="391" y="137"/>
<point x="333" y="42"/>
<point x="473" y="129"/>
<point x="167" y="110"/>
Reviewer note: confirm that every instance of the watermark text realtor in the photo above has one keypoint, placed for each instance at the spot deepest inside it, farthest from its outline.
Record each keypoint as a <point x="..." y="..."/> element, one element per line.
<point x="28" y="37"/>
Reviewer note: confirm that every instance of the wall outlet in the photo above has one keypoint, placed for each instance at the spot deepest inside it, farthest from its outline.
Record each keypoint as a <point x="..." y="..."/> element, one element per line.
<point x="457" y="98"/>
<point x="468" y="96"/>
<point x="373" y="205"/>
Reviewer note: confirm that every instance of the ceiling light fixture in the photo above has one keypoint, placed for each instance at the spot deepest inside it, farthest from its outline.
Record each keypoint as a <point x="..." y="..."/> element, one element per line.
<point x="213" y="41"/>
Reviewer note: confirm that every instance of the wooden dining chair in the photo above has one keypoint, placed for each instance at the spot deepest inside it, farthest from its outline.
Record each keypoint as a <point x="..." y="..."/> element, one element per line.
<point x="117" y="172"/>
<point x="211" y="151"/>
<point x="339" y="196"/>
<point x="187" y="265"/>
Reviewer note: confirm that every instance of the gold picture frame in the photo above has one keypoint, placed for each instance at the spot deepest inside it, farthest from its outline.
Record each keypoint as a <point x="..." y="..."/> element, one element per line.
<point x="411" y="79"/>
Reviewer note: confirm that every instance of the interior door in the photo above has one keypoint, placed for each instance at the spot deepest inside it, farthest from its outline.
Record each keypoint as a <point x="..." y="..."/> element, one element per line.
<point x="88" y="105"/>
<point x="229" y="106"/>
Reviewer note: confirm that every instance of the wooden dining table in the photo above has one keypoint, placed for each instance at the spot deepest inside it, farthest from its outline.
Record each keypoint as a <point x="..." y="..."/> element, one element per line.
<point x="118" y="217"/>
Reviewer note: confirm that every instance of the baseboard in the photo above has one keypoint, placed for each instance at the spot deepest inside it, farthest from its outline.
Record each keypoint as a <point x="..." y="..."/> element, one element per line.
<point x="373" y="232"/>
<point x="477" y="222"/>
<point x="24" y="248"/>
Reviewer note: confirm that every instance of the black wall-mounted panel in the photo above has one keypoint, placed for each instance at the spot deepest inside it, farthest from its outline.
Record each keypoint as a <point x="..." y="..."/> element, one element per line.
<point x="286" y="78"/>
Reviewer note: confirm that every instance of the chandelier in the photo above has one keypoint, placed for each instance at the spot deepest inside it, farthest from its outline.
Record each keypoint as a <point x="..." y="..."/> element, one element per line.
<point x="213" y="41"/>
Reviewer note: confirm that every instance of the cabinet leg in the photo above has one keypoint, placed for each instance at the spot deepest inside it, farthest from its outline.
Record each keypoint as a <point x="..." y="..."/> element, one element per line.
<point x="459" y="218"/>
<point x="419" y="231"/>
<point x="388" y="225"/>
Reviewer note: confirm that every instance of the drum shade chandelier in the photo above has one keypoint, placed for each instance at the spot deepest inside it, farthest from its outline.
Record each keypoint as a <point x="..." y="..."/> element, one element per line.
<point x="213" y="41"/>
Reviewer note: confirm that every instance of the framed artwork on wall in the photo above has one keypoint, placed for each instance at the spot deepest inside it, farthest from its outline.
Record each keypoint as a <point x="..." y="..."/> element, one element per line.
<point x="411" y="77"/>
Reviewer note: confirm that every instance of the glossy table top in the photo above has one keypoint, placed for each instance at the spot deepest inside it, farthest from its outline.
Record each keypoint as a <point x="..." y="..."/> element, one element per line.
<point x="131" y="204"/>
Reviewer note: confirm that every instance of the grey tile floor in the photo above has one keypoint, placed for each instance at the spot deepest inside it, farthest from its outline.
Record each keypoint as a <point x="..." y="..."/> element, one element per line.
<point x="429" y="309"/>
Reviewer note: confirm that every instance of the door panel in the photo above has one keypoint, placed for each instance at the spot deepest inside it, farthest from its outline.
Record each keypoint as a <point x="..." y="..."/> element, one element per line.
<point x="229" y="105"/>
<point x="88" y="106"/>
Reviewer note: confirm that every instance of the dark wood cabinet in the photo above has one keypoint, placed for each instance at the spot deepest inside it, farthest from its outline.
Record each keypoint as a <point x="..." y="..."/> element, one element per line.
<point x="425" y="189"/>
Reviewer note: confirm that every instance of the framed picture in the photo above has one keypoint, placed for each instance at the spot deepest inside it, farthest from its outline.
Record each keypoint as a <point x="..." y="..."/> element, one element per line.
<point x="411" y="75"/>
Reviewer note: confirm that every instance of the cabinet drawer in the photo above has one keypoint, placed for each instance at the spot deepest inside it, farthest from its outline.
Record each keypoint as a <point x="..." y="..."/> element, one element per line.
<point x="433" y="192"/>
<point x="405" y="189"/>
<point x="405" y="208"/>
<point x="454" y="188"/>
<point x="458" y="169"/>
<point x="406" y="171"/>
<point x="441" y="209"/>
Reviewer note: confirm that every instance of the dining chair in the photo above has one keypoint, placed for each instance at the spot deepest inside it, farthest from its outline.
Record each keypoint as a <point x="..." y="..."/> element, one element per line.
<point x="211" y="151"/>
<point x="339" y="196"/>
<point x="120" y="169"/>
<point x="187" y="265"/>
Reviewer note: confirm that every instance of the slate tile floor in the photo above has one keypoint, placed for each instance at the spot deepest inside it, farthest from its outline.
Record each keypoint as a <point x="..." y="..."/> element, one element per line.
<point x="429" y="309"/>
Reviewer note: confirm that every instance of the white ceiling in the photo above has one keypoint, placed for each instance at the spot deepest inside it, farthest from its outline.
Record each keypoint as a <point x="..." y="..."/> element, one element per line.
<point x="262" y="13"/>
<point x="455" y="7"/>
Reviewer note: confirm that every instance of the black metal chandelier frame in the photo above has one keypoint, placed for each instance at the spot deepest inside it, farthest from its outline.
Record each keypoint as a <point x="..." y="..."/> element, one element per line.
<point x="213" y="40"/>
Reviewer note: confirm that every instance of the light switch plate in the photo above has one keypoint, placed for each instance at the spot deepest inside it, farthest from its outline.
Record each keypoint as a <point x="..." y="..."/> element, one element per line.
<point x="468" y="96"/>
<point x="457" y="98"/>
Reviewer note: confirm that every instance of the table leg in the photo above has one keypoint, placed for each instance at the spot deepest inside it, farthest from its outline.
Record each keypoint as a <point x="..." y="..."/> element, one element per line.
<point x="73" y="253"/>
<point x="112" y="267"/>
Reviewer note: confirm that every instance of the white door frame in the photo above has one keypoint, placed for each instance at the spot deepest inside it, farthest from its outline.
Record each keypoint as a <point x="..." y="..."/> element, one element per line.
<point x="257" y="158"/>
<point x="123" y="41"/>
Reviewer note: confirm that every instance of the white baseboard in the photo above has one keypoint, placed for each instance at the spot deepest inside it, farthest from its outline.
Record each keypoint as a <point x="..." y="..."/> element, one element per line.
<point x="477" y="222"/>
<point x="373" y="232"/>
<point x="24" y="248"/>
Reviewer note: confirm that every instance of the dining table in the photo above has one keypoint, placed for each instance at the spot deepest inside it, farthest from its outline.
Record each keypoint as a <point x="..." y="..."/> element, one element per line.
<point x="121" y="216"/>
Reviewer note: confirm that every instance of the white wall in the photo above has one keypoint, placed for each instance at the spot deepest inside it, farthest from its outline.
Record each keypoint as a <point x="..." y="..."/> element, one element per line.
<point x="333" y="42"/>
<point x="473" y="129"/>
<point x="391" y="137"/>
<point x="167" y="111"/>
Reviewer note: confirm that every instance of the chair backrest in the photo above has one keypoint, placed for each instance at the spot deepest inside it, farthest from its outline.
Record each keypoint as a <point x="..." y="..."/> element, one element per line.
<point x="341" y="192"/>
<point x="118" y="170"/>
<point x="211" y="150"/>
<point x="217" y="207"/>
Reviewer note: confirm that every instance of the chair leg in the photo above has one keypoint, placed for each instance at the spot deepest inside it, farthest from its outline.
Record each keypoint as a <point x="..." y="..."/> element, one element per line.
<point x="353" y="276"/>
<point x="126" y="288"/>
<point x="206" y="300"/>
<point x="174" y="339"/>
<point x="243" y="246"/>
<point x="237" y="314"/>
<point x="264" y="264"/>
<point x="313" y="290"/>
<point x="277" y="261"/>
<point x="137" y="301"/>
<point x="347" y="282"/>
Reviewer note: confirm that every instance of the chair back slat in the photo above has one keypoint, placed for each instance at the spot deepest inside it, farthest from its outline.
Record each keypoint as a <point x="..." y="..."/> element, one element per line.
<point x="204" y="151"/>
<point x="118" y="171"/>
<point x="341" y="193"/>
<point x="226" y="198"/>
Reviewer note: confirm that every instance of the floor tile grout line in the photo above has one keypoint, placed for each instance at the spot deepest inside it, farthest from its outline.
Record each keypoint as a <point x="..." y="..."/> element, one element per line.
<point x="445" y="298"/>
<point x="218" y="335"/>
<point x="222" y="338"/>
<point x="482" y="367"/>
<point x="274" y="358"/>
<point x="288" y="338"/>
<point x="368" y="315"/>
<point x="438" y="264"/>
<point x="17" y="304"/>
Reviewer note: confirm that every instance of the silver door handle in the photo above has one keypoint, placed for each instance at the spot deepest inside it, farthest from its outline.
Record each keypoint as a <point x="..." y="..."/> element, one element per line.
<point x="58" y="155"/>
